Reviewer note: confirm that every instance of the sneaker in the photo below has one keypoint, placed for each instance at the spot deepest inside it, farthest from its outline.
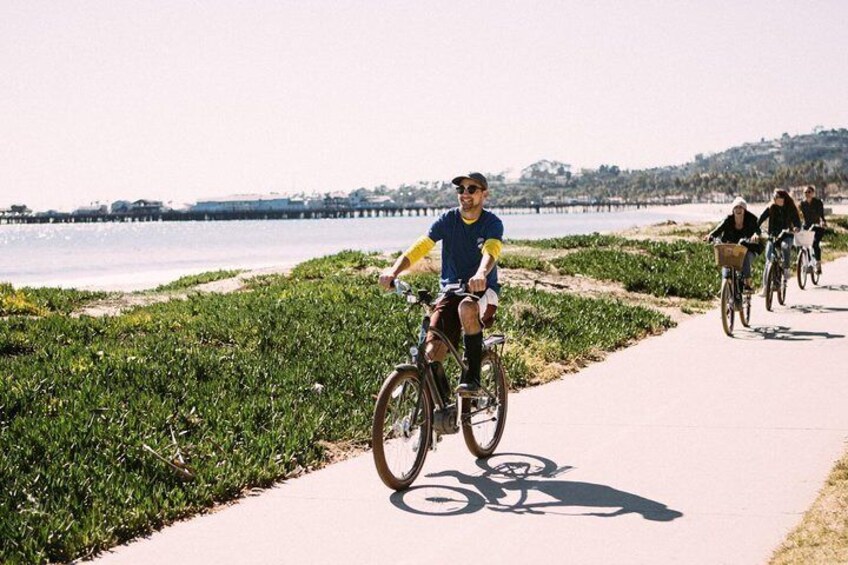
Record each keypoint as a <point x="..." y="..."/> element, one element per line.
<point x="818" y="268"/>
<point x="467" y="390"/>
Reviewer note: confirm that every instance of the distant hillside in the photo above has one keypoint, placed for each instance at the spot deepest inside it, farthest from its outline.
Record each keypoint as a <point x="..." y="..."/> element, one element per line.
<point x="752" y="170"/>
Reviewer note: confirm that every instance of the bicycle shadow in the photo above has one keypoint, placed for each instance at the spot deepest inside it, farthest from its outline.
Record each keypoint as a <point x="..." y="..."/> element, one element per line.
<point x="784" y="333"/>
<point x="815" y="309"/>
<point x="836" y="287"/>
<point x="525" y="484"/>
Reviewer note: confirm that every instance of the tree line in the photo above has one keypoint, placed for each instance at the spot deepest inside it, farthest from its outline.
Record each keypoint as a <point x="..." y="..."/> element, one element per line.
<point x="751" y="170"/>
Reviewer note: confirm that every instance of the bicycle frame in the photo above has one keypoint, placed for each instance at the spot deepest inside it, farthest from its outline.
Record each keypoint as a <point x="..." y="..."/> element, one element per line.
<point x="809" y="257"/>
<point x="421" y="364"/>
<point x="777" y="251"/>
<point x="738" y="282"/>
<point x="413" y="410"/>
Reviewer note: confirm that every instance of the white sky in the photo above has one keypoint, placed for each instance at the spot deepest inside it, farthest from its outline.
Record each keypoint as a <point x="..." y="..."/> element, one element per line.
<point x="180" y="99"/>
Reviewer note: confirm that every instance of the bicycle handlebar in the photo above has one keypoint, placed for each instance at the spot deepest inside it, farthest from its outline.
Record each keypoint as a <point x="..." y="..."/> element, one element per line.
<point x="423" y="296"/>
<point x="781" y="234"/>
<point x="718" y="241"/>
<point x="400" y="286"/>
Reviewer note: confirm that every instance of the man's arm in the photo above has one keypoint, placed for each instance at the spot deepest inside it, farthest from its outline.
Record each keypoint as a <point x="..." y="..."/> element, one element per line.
<point x="763" y="216"/>
<point x="416" y="251"/>
<point x="491" y="253"/>
<point x="717" y="232"/>
<point x="795" y="219"/>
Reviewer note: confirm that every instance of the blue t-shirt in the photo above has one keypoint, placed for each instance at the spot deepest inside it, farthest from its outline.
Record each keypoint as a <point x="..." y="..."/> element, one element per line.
<point x="462" y="245"/>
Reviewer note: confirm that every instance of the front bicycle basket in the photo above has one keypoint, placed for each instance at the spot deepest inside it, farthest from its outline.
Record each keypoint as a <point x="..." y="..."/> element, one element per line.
<point x="805" y="238"/>
<point x="730" y="255"/>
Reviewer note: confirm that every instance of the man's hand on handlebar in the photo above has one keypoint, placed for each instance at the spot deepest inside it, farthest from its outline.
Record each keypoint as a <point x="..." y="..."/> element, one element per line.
<point x="477" y="283"/>
<point x="387" y="278"/>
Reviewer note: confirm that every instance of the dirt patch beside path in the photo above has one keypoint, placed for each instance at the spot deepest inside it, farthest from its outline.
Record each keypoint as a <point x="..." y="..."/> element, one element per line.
<point x="116" y="305"/>
<point x="677" y="309"/>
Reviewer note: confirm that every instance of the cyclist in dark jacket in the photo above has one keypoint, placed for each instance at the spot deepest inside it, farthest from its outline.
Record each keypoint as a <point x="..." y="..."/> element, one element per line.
<point x="781" y="214"/>
<point x="740" y="224"/>
<point x="813" y="210"/>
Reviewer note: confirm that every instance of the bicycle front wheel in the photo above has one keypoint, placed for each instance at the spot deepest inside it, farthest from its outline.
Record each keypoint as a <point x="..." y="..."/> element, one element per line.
<point x="770" y="270"/>
<point x="400" y="435"/>
<point x="484" y="417"/>
<point x="801" y="268"/>
<point x="782" y="283"/>
<point x="727" y="306"/>
<point x="745" y="309"/>
<point x="814" y="274"/>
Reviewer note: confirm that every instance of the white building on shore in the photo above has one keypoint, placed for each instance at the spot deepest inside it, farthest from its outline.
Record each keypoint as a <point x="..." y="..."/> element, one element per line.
<point x="249" y="203"/>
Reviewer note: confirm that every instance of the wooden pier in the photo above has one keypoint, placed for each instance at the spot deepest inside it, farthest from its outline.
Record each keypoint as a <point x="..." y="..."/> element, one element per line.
<point x="316" y="213"/>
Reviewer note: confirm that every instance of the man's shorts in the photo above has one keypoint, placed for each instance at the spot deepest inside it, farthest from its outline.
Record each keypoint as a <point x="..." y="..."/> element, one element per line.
<point x="445" y="316"/>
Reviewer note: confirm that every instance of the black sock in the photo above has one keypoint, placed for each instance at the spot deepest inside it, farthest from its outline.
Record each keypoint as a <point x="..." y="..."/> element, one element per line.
<point x="473" y="353"/>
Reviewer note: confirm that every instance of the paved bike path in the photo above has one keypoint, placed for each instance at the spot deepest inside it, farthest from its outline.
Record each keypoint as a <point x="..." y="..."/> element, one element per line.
<point x="689" y="447"/>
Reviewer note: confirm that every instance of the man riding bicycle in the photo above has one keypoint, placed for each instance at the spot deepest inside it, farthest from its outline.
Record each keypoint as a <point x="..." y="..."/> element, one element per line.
<point x="472" y="239"/>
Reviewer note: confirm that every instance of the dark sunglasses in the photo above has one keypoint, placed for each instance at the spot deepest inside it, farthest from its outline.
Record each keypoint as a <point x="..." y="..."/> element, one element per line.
<point x="469" y="189"/>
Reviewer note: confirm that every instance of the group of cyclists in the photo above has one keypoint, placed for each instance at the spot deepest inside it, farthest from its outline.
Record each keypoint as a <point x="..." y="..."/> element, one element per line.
<point x="784" y="220"/>
<point x="472" y="239"/>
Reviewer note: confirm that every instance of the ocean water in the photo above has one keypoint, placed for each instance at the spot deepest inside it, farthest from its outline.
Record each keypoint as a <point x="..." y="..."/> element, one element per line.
<point x="134" y="256"/>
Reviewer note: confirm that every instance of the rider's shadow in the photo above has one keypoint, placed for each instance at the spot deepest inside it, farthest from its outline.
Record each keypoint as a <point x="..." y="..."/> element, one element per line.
<point x="537" y="493"/>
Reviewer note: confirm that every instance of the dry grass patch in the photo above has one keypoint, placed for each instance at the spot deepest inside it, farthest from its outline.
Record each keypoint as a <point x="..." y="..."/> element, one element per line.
<point x="677" y="309"/>
<point x="822" y="535"/>
<point x="671" y="230"/>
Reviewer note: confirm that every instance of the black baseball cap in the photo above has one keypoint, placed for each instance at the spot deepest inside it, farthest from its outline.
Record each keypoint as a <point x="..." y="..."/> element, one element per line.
<point x="477" y="177"/>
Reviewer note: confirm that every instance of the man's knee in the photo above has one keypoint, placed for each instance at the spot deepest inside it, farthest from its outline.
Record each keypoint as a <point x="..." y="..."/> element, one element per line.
<point x="469" y="313"/>
<point x="436" y="350"/>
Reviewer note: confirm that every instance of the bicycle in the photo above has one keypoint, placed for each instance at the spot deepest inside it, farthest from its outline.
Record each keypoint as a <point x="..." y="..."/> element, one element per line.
<point x="775" y="280"/>
<point x="411" y="414"/>
<point x="806" y="263"/>
<point x="734" y="296"/>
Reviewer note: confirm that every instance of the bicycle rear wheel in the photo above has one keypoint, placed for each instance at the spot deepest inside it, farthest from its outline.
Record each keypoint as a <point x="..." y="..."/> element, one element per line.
<point x="770" y="270"/>
<point x="402" y="427"/>
<point x="801" y="268"/>
<point x="484" y="417"/>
